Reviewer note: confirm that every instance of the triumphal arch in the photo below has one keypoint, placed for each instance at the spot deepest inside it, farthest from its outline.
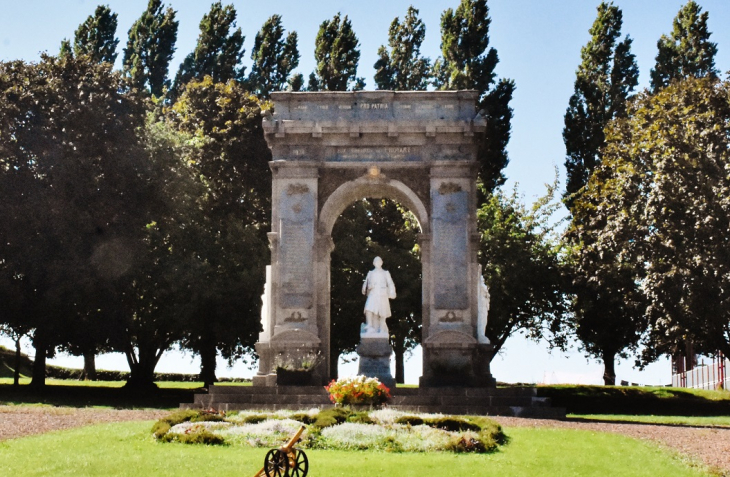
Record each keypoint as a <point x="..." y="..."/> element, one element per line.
<point x="331" y="149"/>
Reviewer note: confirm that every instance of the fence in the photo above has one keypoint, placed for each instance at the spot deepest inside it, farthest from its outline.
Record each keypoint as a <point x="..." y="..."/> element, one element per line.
<point x="705" y="376"/>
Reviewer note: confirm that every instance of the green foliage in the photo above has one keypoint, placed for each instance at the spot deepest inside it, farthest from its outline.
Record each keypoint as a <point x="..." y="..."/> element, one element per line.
<point x="230" y="166"/>
<point x="410" y="420"/>
<point x="337" y="55"/>
<point x="522" y="268"/>
<point x="218" y="52"/>
<point x="468" y="63"/>
<point x="360" y="417"/>
<point x="303" y="418"/>
<point x="161" y="428"/>
<point x="96" y="37"/>
<point x="274" y="58"/>
<point x="606" y="302"/>
<point x="687" y="51"/>
<point x="401" y="67"/>
<point x="70" y="142"/>
<point x="332" y="416"/>
<point x="661" y="205"/>
<point x="604" y="81"/>
<point x="452" y="424"/>
<point x="150" y="48"/>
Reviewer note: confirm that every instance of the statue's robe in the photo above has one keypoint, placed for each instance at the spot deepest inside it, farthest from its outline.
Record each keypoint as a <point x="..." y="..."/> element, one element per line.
<point x="379" y="288"/>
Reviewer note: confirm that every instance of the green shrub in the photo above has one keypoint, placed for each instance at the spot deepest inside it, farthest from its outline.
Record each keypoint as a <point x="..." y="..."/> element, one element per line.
<point x="254" y="419"/>
<point x="162" y="427"/>
<point x="490" y="428"/>
<point x="331" y="417"/>
<point x="453" y="424"/>
<point x="409" y="420"/>
<point x="202" y="436"/>
<point x="303" y="418"/>
<point x="361" y="417"/>
<point x="467" y="442"/>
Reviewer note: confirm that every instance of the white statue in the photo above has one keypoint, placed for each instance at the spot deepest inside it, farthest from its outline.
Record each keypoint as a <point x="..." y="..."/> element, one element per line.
<point x="379" y="288"/>
<point x="482" y="309"/>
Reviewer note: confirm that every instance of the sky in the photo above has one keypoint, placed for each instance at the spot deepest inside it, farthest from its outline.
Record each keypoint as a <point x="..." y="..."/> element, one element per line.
<point x="538" y="43"/>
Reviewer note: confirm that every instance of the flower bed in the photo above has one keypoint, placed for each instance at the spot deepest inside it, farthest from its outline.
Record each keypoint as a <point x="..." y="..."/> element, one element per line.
<point x="358" y="390"/>
<point x="337" y="428"/>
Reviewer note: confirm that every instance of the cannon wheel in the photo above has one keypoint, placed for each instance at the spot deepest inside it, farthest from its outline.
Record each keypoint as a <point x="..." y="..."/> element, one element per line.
<point x="276" y="464"/>
<point x="299" y="464"/>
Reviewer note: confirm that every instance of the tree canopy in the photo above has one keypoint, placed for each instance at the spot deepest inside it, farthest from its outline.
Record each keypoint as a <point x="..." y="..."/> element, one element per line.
<point x="96" y="37"/>
<point x="401" y="66"/>
<point x="687" y="50"/>
<point x="337" y="53"/>
<point x="274" y="58"/>
<point x="150" y="47"/>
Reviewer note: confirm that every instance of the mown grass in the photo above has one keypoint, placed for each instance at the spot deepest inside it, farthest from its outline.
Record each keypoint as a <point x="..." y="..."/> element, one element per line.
<point x="127" y="449"/>
<point x="700" y="421"/>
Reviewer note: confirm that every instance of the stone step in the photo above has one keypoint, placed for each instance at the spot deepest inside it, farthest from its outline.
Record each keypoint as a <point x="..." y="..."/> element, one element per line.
<point x="267" y="390"/>
<point x="516" y="411"/>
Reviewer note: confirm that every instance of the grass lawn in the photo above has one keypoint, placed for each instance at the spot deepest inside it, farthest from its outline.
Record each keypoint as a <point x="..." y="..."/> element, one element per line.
<point x="709" y="421"/>
<point x="127" y="449"/>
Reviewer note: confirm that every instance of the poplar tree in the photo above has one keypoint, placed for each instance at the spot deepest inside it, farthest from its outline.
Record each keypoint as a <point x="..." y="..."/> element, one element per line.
<point x="337" y="55"/>
<point x="687" y="51"/>
<point x="401" y="66"/>
<point x="96" y="36"/>
<point x="604" y="81"/>
<point x="218" y="52"/>
<point x="150" y="47"/>
<point x="274" y="58"/>
<point x="606" y="300"/>
<point x="468" y="63"/>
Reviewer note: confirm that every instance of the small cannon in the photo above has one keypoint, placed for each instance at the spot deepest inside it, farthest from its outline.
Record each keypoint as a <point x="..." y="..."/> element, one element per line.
<point x="286" y="461"/>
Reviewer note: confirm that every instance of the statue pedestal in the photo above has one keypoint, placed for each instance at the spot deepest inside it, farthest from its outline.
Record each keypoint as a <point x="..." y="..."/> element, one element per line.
<point x="375" y="359"/>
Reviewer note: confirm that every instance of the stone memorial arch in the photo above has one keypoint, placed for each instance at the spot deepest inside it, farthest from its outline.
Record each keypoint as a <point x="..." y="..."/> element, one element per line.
<point x="331" y="149"/>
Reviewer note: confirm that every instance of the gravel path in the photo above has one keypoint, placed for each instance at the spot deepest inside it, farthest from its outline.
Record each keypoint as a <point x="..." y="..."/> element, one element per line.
<point x="710" y="445"/>
<point x="18" y="421"/>
<point x="707" y="444"/>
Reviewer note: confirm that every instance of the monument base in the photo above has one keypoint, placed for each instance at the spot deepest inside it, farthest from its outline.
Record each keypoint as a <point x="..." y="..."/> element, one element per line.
<point x="375" y="360"/>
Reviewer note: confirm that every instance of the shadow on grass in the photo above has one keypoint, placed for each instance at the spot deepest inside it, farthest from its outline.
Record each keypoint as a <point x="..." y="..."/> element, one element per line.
<point x="96" y="396"/>
<point x="636" y="422"/>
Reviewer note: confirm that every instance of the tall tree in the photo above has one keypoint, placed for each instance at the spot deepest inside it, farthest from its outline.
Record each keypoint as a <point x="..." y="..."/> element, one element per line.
<point x="231" y="164"/>
<point x="606" y="305"/>
<point x="150" y="47"/>
<point x="687" y="51"/>
<point x="604" y="81"/>
<point x="666" y="192"/>
<point x="77" y="185"/>
<point x="218" y="52"/>
<point x="274" y="58"/>
<point x="468" y="63"/>
<point x="96" y="37"/>
<point x="401" y="67"/>
<point x="337" y="55"/>
<point x="521" y="266"/>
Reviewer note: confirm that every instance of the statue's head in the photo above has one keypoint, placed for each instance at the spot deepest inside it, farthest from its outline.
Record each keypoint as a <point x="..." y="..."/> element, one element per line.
<point x="378" y="262"/>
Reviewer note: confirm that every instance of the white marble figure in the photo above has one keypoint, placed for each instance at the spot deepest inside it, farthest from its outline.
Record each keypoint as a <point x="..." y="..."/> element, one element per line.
<point x="379" y="288"/>
<point x="483" y="308"/>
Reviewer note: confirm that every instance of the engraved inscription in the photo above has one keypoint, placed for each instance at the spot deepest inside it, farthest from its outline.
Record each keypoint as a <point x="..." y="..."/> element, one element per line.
<point x="404" y="106"/>
<point x="373" y="105"/>
<point x="301" y="106"/>
<point x="295" y="189"/>
<point x="297" y="258"/>
<point x="450" y="276"/>
<point x="296" y="317"/>
<point x="449" y="188"/>
<point x="323" y="106"/>
<point x="345" y="106"/>
<point x="369" y="153"/>
<point x="298" y="152"/>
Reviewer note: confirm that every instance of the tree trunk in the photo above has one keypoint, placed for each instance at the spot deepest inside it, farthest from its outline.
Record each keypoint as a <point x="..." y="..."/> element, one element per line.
<point x="609" y="370"/>
<point x="208" y="354"/>
<point x="89" y="365"/>
<point x="142" y="368"/>
<point x="399" y="364"/>
<point x="39" y="365"/>
<point x="16" y="371"/>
